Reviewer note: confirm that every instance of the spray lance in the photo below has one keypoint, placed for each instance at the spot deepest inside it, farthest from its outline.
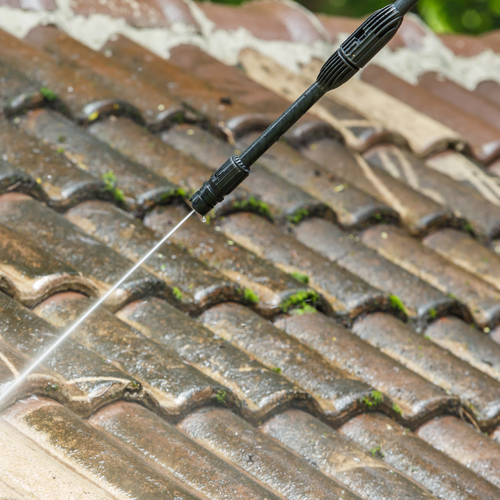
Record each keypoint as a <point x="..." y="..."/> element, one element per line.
<point x="357" y="51"/>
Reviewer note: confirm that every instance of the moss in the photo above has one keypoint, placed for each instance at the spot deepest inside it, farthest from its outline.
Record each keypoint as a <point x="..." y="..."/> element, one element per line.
<point x="60" y="150"/>
<point x="397" y="303"/>
<point x="220" y="396"/>
<point x="299" y="299"/>
<point x="61" y="138"/>
<point x="432" y="313"/>
<point x="47" y="94"/>
<point x="250" y="296"/>
<point x="304" y="309"/>
<point x="253" y="205"/>
<point x="298" y="216"/>
<point x="277" y="369"/>
<point x="375" y="399"/>
<point x="177" y="293"/>
<point x="303" y="278"/>
<point x="396" y="409"/>
<point x="468" y="227"/>
<point x="111" y="182"/>
<point x="51" y="387"/>
<point x="181" y="192"/>
<point x="377" y="452"/>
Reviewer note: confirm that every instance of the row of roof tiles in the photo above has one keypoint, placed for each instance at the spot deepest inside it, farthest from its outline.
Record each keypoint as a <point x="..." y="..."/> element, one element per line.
<point x="152" y="353"/>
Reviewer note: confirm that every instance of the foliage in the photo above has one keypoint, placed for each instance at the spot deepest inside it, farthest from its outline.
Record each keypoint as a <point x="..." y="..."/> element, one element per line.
<point x="444" y="16"/>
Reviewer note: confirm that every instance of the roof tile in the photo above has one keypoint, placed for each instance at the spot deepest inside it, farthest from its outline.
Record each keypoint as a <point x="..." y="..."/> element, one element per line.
<point x="478" y="392"/>
<point x="90" y="452"/>
<point x="417" y="398"/>
<point x="96" y="381"/>
<point x="262" y="457"/>
<point x="272" y="285"/>
<point x="418" y="212"/>
<point x="463" y="443"/>
<point x="199" y="286"/>
<point x="421" y="301"/>
<point x="347" y="295"/>
<point x="253" y="389"/>
<point x="54" y="234"/>
<point x="14" y="180"/>
<point x="341" y="459"/>
<point x="409" y="454"/>
<point x="168" y="381"/>
<point x="338" y="394"/>
<point x="481" y="298"/>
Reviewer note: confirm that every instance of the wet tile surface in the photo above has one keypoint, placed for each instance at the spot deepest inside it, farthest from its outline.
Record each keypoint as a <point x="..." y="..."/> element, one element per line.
<point x="253" y="389"/>
<point x="265" y="459"/>
<point x="341" y="458"/>
<point x="412" y="456"/>
<point x="415" y="397"/>
<point x="336" y="392"/>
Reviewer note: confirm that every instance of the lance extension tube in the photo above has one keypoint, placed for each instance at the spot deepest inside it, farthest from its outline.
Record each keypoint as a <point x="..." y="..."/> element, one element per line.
<point x="353" y="54"/>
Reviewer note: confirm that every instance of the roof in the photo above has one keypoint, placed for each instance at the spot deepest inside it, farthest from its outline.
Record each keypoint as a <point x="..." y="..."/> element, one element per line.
<point x="330" y="332"/>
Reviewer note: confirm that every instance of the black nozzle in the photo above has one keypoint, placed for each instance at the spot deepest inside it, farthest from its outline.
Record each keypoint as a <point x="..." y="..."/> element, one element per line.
<point x="353" y="54"/>
<point x="220" y="184"/>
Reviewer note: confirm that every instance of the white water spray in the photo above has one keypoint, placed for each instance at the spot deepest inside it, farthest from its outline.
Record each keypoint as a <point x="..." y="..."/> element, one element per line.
<point x="89" y="311"/>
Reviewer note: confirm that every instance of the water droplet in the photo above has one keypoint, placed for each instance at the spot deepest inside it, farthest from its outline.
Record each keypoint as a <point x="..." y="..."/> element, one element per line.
<point x="204" y="219"/>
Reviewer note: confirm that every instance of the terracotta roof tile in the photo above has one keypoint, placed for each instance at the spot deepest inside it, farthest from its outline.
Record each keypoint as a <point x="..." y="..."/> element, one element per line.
<point x="256" y="353"/>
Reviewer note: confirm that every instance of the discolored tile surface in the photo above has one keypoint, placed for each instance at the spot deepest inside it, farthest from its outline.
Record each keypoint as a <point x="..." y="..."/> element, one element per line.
<point x="341" y="458"/>
<point x="479" y="393"/>
<point x="415" y="398"/>
<point x="404" y="451"/>
<point x="463" y="443"/>
<point x="337" y="393"/>
<point x="172" y="451"/>
<point x="171" y="383"/>
<point x="346" y="295"/>
<point x="480" y="297"/>
<point x="256" y="391"/>
<point x="191" y="284"/>
<point x="421" y="301"/>
<point x="96" y="261"/>
<point x="265" y="459"/>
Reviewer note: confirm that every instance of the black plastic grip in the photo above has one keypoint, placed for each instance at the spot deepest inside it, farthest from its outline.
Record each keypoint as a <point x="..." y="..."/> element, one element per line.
<point x="220" y="184"/>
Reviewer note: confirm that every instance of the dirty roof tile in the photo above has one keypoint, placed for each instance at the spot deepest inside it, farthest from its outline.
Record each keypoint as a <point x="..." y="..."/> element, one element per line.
<point x="29" y="275"/>
<point x="418" y="213"/>
<point x="130" y="184"/>
<point x="143" y="14"/>
<point x="464" y="200"/>
<point x="283" y="199"/>
<point x="461" y="442"/>
<point x="169" y="449"/>
<point x="416" y="398"/>
<point x="272" y="286"/>
<point x="97" y="381"/>
<point x="421" y="301"/>
<point x="60" y="182"/>
<point x="15" y="180"/>
<point x="341" y="459"/>
<point x="337" y="394"/>
<point x="61" y="84"/>
<point x="490" y="91"/>
<point x="424" y="134"/>
<point x="461" y="249"/>
<point x="256" y="391"/>
<point x="351" y="207"/>
<point x="483" y="139"/>
<point x="265" y="19"/>
<point x="404" y="451"/>
<point x="467" y="343"/>
<point x="90" y="452"/>
<point x="168" y="381"/>
<point x="29" y="472"/>
<point x="191" y="284"/>
<point x="345" y="294"/>
<point x="54" y="234"/>
<point x="262" y="457"/>
<point x="481" y="298"/>
<point x="479" y="393"/>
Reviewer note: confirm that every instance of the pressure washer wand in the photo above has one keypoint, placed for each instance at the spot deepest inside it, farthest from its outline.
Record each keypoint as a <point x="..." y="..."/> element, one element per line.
<point x="359" y="49"/>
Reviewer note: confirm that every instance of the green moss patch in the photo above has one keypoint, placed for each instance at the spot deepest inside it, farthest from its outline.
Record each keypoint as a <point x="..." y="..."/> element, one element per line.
<point x="111" y="182"/>
<point x="300" y="300"/>
<point x="250" y="296"/>
<point x="303" y="278"/>
<point x="253" y="205"/>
